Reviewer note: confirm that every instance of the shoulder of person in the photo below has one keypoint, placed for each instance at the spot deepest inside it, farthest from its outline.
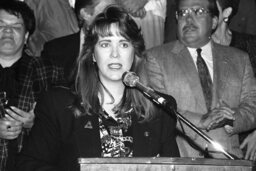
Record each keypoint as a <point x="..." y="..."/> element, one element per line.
<point x="39" y="62"/>
<point x="29" y="61"/>
<point x="160" y="53"/>
<point x="233" y="55"/>
<point x="62" y="39"/>
<point x="61" y="95"/>
<point x="164" y="49"/>
<point x="229" y="50"/>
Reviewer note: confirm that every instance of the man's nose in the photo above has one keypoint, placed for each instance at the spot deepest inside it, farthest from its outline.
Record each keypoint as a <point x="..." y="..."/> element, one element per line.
<point x="7" y="29"/>
<point x="189" y="17"/>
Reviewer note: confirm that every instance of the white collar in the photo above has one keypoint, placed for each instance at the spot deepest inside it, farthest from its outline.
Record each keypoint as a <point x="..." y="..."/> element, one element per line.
<point x="206" y="52"/>
<point x="206" y="55"/>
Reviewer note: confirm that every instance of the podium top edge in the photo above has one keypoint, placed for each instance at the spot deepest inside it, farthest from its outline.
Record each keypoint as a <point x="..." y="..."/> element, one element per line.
<point x="166" y="160"/>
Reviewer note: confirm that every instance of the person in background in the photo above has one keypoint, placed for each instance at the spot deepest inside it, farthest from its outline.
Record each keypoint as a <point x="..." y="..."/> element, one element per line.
<point x="101" y="117"/>
<point x="150" y="16"/>
<point x="214" y="85"/>
<point x="225" y="36"/>
<point x="22" y="78"/>
<point x="249" y="143"/>
<point x="170" y="33"/>
<point x="54" y="18"/>
<point x="244" y="21"/>
<point x="64" y="51"/>
<point x="245" y="42"/>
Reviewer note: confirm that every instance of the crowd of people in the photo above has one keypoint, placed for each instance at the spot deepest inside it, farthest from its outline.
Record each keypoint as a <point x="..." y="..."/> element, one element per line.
<point x="68" y="99"/>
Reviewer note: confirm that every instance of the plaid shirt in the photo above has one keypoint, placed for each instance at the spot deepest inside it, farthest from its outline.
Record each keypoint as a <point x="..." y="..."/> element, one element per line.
<point x="33" y="75"/>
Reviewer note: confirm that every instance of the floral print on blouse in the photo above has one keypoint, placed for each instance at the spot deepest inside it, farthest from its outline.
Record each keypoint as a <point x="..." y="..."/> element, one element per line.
<point x="116" y="135"/>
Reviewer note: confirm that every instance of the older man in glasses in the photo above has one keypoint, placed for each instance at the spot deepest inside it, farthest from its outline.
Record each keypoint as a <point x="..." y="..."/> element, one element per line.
<point x="213" y="84"/>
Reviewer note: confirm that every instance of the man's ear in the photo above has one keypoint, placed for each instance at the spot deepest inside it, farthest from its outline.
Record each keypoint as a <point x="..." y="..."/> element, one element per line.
<point x="227" y="12"/>
<point x="176" y="15"/>
<point x="214" y="22"/>
<point x="93" y="58"/>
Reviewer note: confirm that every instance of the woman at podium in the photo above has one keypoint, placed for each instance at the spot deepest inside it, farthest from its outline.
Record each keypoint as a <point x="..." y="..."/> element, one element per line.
<point x="100" y="117"/>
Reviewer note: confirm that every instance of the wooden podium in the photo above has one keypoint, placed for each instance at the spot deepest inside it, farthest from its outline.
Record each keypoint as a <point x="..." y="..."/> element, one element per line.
<point x="164" y="164"/>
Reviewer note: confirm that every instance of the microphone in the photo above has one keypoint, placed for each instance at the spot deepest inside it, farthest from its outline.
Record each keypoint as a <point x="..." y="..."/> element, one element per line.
<point x="130" y="79"/>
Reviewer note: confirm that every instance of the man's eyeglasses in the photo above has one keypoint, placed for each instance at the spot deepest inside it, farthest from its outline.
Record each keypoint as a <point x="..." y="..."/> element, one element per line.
<point x="198" y="12"/>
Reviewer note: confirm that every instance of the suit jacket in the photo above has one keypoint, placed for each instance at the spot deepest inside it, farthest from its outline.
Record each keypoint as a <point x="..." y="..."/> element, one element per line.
<point x="170" y="69"/>
<point x="63" y="52"/>
<point x="58" y="138"/>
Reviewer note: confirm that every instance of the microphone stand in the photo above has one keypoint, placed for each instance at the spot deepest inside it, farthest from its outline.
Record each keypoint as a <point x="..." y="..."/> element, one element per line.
<point x="132" y="80"/>
<point x="216" y="145"/>
<point x="164" y="103"/>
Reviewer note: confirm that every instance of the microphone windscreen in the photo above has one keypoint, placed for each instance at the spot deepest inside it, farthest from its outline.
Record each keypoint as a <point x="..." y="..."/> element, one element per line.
<point x="130" y="78"/>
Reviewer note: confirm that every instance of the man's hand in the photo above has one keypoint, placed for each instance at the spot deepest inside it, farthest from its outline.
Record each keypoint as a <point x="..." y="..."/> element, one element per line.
<point x="141" y="13"/>
<point x="218" y="117"/>
<point x="250" y="142"/>
<point x="132" y="6"/>
<point x="9" y="129"/>
<point x="27" y="118"/>
<point x="224" y="117"/>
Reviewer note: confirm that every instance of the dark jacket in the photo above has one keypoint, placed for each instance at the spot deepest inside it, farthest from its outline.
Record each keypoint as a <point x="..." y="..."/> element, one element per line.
<point x="58" y="138"/>
<point x="247" y="43"/>
<point x="63" y="52"/>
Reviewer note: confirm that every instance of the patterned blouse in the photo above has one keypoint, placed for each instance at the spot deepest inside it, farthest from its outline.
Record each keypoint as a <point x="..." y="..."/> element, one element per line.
<point x="116" y="135"/>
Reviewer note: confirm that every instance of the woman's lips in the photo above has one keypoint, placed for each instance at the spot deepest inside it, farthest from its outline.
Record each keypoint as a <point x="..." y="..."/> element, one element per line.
<point x="115" y="66"/>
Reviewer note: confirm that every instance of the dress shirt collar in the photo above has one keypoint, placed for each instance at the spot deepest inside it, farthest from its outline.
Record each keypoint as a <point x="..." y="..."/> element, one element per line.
<point x="206" y="52"/>
<point x="206" y="55"/>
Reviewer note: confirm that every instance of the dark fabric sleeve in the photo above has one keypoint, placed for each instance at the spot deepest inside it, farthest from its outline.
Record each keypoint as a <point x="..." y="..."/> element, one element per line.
<point x="42" y="150"/>
<point x="46" y="75"/>
<point x="169" y="144"/>
<point x="50" y="51"/>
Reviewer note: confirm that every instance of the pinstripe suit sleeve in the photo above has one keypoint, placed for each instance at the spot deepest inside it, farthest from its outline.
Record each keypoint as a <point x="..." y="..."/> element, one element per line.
<point x="245" y="113"/>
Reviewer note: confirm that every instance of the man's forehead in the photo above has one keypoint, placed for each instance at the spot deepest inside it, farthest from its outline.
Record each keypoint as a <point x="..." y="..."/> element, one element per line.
<point x="6" y="16"/>
<point x="193" y="3"/>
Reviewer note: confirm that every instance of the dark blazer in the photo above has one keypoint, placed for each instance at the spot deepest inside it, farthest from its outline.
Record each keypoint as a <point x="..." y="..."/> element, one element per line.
<point x="63" y="52"/>
<point x="58" y="138"/>
<point x="247" y="43"/>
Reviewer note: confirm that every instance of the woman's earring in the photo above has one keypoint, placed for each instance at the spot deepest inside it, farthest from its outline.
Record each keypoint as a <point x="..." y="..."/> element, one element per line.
<point x="225" y="19"/>
<point x="93" y="58"/>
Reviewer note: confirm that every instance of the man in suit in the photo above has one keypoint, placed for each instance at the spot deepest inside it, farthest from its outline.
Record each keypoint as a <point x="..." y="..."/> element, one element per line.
<point x="212" y="86"/>
<point x="65" y="50"/>
<point x="226" y="36"/>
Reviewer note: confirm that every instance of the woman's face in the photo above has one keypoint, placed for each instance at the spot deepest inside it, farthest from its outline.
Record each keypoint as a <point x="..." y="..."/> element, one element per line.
<point x="114" y="55"/>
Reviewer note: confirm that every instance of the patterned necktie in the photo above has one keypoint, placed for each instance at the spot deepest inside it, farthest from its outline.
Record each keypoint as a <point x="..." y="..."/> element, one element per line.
<point x="205" y="78"/>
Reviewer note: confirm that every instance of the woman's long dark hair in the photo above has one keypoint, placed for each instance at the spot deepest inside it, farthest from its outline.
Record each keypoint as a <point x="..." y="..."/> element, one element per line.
<point x="88" y="84"/>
